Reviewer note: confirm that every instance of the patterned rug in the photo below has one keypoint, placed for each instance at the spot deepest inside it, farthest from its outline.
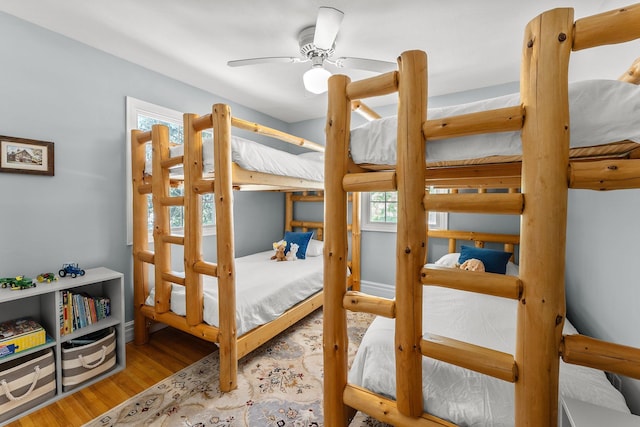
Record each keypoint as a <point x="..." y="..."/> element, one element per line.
<point x="279" y="384"/>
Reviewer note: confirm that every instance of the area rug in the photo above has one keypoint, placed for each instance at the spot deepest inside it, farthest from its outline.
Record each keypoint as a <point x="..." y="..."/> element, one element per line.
<point x="279" y="384"/>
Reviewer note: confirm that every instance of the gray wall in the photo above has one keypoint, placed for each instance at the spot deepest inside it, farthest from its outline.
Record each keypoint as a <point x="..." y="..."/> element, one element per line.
<point x="55" y="89"/>
<point x="603" y="290"/>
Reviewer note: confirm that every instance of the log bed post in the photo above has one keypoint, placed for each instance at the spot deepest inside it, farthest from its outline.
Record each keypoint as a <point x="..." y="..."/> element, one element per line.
<point x="221" y="117"/>
<point x="161" y="220"/>
<point x="335" y="340"/>
<point x="140" y="237"/>
<point x="192" y="221"/>
<point x="545" y="140"/>
<point x="288" y="211"/>
<point x="411" y="241"/>
<point x="356" y="236"/>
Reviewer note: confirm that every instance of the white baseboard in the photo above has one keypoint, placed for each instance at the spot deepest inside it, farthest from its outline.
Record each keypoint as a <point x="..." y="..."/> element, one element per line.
<point x="128" y="329"/>
<point x="379" y="289"/>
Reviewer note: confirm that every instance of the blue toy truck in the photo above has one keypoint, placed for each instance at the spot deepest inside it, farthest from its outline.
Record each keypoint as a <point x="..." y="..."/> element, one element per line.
<point x="72" y="269"/>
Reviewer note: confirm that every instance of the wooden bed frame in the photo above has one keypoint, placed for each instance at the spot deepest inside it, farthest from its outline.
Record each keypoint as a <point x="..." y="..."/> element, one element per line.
<point x="544" y="174"/>
<point x="228" y="177"/>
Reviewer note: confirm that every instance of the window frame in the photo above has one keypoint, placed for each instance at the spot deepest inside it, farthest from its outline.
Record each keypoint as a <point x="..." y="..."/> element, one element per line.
<point x="134" y="108"/>
<point x="441" y="218"/>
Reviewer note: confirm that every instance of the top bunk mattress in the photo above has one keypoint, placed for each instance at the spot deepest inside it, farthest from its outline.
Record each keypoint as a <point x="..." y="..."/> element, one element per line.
<point x="253" y="156"/>
<point x="601" y="111"/>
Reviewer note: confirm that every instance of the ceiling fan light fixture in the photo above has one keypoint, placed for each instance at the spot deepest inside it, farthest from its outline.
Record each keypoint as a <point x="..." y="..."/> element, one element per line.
<point x="316" y="79"/>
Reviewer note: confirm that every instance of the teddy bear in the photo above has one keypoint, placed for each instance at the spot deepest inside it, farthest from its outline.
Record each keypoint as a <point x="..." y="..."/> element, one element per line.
<point x="293" y="251"/>
<point x="472" y="264"/>
<point x="279" y="247"/>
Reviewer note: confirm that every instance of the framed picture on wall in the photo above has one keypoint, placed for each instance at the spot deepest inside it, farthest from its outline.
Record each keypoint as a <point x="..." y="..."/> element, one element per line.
<point x="20" y="155"/>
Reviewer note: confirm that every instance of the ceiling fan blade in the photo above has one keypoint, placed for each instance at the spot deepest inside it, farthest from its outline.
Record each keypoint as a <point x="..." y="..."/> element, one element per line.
<point x="327" y="26"/>
<point x="365" y="64"/>
<point x="265" y="60"/>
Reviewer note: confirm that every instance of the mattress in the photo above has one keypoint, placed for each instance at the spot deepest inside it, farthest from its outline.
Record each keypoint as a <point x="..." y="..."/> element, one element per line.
<point x="257" y="157"/>
<point x="462" y="396"/>
<point x="601" y="112"/>
<point x="264" y="289"/>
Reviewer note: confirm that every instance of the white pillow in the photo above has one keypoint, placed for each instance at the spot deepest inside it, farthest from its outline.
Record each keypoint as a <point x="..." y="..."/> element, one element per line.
<point x="314" y="248"/>
<point x="448" y="260"/>
<point x="512" y="269"/>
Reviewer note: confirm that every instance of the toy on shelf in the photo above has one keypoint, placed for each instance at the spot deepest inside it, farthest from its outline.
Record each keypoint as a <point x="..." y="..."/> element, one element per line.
<point x="46" y="277"/>
<point x="17" y="283"/>
<point x="72" y="269"/>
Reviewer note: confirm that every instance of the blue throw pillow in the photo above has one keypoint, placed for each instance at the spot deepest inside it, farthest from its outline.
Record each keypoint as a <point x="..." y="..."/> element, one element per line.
<point x="494" y="261"/>
<point x="301" y="239"/>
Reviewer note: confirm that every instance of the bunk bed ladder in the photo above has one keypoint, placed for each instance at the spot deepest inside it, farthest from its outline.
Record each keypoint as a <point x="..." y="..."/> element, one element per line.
<point x="140" y="242"/>
<point x="542" y="205"/>
<point x="160" y="257"/>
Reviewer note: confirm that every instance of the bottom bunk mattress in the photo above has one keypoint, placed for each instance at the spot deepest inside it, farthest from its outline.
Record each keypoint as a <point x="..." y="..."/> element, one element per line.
<point x="264" y="289"/>
<point x="459" y="395"/>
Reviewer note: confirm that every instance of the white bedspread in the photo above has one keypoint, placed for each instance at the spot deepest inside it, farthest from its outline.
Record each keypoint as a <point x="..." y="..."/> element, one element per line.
<point x="601" y="112"/>
<point x="462" y="396"/>
<point x="264" y="289"/>
<point x="257" y="157"/>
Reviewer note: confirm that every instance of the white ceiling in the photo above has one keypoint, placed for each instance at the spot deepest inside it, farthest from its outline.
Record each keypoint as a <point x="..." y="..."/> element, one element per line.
<point x="470" y="43"/>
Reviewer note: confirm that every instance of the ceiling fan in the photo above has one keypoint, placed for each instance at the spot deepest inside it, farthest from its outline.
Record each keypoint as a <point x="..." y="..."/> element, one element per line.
<point x="317" y="44"/>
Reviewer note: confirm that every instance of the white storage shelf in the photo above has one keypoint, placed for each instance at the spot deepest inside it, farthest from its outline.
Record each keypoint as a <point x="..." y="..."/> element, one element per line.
<point x="42" y="303"/>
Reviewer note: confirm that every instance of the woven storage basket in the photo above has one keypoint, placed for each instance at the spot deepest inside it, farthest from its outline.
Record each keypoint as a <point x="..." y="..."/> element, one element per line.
<point x="26" y="382"/>
<point x="82" y="362"/>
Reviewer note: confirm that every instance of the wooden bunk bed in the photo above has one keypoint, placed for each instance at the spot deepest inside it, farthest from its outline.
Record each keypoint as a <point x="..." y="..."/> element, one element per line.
<point x="544" y="171"/>
<point x="157" y="288"/>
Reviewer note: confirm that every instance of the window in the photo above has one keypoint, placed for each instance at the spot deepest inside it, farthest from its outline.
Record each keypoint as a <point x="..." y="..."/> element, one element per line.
<point x="380" y="212"/>
<point x="143" y="115"/>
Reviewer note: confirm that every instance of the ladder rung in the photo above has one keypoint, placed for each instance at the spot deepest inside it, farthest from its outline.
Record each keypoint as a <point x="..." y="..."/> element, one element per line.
<point x="500" y="120"/>
<point x="203" y="186"/>
<point x="486" y="203"/>
<point x="146" y="256"/>
<point x="143" y="137"/>
<point x="379" y="181"/>
<point x="144" y="189"/>
<point x="207" y="268"/>
<point x="175" y="240"/>
<point x="174" y="277"/>
<point x="358" y="301"/>
<point x="500" y="285"/>
<point x="172" y="161"/>
<point x="480" y="359"/>
<point x="172" y="201"/>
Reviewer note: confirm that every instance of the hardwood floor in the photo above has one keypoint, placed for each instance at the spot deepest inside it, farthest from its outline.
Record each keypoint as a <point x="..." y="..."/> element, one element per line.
<point x="168" y="351"/>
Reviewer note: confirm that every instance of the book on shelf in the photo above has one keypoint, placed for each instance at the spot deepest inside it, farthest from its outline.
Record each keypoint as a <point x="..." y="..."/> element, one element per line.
<point x="20" y="334"/>
<point x="79" y="310"/>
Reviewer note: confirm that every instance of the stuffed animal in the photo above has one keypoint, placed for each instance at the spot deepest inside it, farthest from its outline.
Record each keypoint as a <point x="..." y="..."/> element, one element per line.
<point x="293" y="250"/>
<point x="279" y="247"/>
<point x="472" y="264"/>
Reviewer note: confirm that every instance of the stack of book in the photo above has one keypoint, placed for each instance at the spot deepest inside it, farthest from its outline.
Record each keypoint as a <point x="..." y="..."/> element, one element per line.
<point x="19" y="335"/>
<point x="80" y="309"/>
